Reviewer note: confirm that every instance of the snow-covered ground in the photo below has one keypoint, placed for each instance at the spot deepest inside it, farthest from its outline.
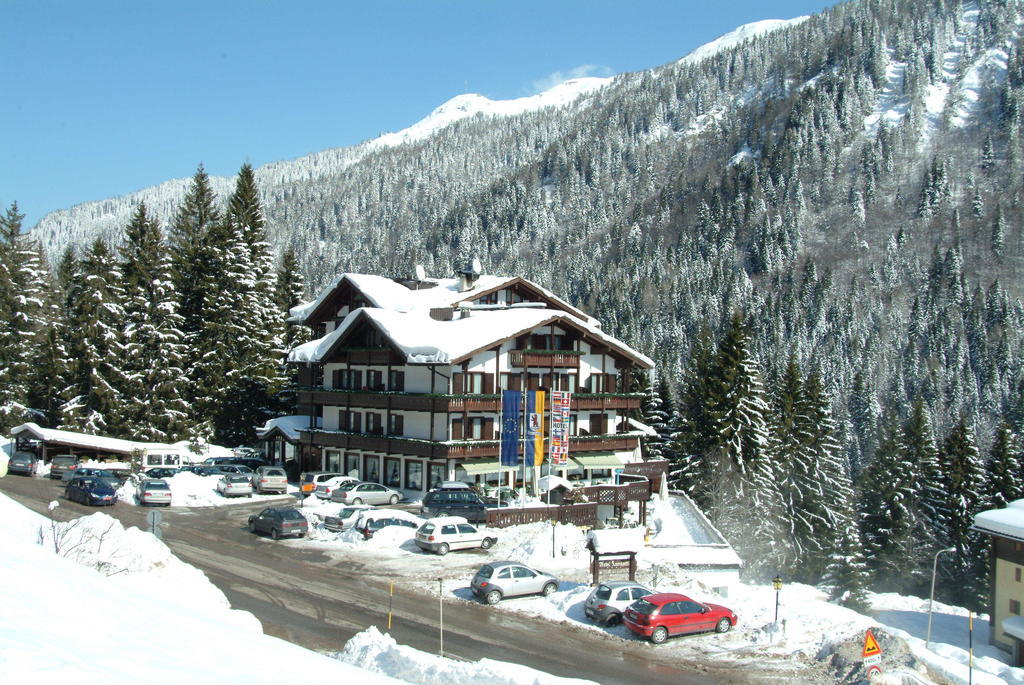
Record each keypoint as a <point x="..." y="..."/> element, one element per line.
<point x="79" y="606"/>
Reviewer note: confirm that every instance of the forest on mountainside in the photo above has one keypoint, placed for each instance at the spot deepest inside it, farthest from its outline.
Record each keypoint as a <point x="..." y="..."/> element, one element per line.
<point x="839" y="198"/>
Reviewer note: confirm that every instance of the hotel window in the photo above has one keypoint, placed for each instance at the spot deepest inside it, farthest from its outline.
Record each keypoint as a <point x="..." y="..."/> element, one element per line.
<point x="374" y="380"/>
<point x="479" y="383"/>
<point x="1016" y="574"/>
<point x="511" y="381"/>
<point x="392" y="472"/>
<point x="350" y="421"/>
<point x="348" y="379"/>
<point x="414" y="475"/>
<point x="396" y="424"/>
<point x="1015" y="607"/>
<point x="477" y="428"/>
<point x="374" y="423"/>
<point x="396" y="381"/>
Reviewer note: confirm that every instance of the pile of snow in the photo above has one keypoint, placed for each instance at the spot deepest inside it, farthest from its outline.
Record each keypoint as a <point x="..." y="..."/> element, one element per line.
<point x="192" y="490"/>
<point x="46" y="597"/>
<point x="616" y="540"/>
<point x="380" y="653"/>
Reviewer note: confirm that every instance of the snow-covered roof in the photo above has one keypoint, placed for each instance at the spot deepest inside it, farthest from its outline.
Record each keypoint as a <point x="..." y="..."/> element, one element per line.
<point x="95" y="442"/>
<point x="424" y="340"/>
<point x="386" y="293"/>
<point x="1007" y="523"/>
<point x="642" y="428"/>
<point x="288" y="425"/>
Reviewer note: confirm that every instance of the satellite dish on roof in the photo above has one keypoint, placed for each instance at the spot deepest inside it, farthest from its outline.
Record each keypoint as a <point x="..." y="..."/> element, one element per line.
<point x="421" y="273"/>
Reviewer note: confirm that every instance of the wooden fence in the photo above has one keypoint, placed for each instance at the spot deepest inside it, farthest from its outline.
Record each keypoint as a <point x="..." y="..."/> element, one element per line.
<point x="577" y="514"/>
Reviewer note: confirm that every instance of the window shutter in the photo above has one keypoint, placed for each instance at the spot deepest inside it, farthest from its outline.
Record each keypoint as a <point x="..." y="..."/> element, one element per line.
<point x="458" y="383"/>
<point x="489" y="433"/>
<point x="356" y="422"/>
<point x="610" y="383"/>
<point x="399" y="422"/>
<point x="488" y="384"/>
<point x="456" y="429"/>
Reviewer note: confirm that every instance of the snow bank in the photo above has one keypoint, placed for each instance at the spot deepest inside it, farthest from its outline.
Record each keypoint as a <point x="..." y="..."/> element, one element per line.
<point x="380" y="653"/>
<point x="191" y="490"/>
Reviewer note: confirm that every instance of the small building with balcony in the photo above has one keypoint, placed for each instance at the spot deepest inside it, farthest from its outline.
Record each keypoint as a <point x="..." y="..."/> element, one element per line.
<point x="403" y="383"/>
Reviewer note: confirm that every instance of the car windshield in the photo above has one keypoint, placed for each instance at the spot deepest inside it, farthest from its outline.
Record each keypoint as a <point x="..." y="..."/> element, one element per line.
<point x="237" y="479"/>
<point x="486" y="571"/>
<point x="157" y="486"/>
<point x="291" y="515"/>
<point x="347" y="485"/>
<point x="642" y="606"/>
<point x="274" y="472"/>
<point x="603" y="592"/>
<point x="427" y="528"/>
<point x="347" y="513"/>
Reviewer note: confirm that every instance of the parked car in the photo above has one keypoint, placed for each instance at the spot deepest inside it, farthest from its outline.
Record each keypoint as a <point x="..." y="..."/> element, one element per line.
<point x="203" y="470"/>
<point x="62" y="463"/>
<point x="234" y="485"/>
<point x="310" y="479"/>
<point x="253" y="463"/>
<point x="279" y="522"/>
<point x="237" y="468"/>
<point x="153" y="491"/>
<point x="345" y="518"/>
<point x="659" y="616"/>
<point x="324" y="488"/>
<point x="91" y="491"/>
<point x="446" y="501"/>
<point x="499" y="579"/>
<point x="608" y="600"/>
<point x="24" y="463"/>
<point x="109" y="477"/>
<point x="369" y="493"/>
<point x="270" y="479"/>
<point x="338" y="492"/>
<point x="161" y="472"/>
<point x="368" y="525"/>
<point x="439" y="535"/>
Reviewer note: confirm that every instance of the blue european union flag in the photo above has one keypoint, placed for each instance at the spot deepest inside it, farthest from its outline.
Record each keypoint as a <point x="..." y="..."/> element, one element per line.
<point x="511" y="410"/>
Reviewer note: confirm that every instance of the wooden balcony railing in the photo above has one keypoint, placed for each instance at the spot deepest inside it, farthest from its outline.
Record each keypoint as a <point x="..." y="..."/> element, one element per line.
<point x="544" y="359"/>
<point x="452" y="404"/>
<point x="578" y="514"/>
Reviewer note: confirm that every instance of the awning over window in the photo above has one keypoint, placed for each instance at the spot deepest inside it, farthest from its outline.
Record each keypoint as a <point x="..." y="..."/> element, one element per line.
<point x="476" y="468"/>
<point x="599" y="460"/>
<point x="1014" y="627"/>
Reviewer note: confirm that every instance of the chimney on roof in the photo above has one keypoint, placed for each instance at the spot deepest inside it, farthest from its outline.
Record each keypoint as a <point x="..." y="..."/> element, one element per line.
<point x="469" y="274"/>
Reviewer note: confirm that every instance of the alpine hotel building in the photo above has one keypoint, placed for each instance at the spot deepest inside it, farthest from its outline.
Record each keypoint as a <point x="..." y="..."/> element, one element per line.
<point x="402" y="384"/>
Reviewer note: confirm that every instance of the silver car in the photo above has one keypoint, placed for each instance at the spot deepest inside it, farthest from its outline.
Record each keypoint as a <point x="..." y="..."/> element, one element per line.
<point x="234" y="485"/>
<point x="367" y="493"/>
<point x="500" y="579"/>
<point x="270" y="479"/>
<point x="608" y="600"/>
<point x="153" y="492"/>
<point x="345" y="518"/>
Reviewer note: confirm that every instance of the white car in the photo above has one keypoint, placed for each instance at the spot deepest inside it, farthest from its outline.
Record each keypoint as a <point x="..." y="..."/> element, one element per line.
<point x="324" y="488"/>
<point x="445" y="533"/>
<point x="234" y="485"/>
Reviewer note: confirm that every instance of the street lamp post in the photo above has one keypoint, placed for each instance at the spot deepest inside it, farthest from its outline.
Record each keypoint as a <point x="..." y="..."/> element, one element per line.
<point x="777" y="584"/>
<point x="931" y="597"/>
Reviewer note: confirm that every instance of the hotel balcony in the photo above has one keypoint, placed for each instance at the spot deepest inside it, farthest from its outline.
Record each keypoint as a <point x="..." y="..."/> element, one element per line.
<point x="451" y="404"/>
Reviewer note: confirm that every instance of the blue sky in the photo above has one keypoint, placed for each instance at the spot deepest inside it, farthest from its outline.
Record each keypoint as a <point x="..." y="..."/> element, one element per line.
<point x="104" y="98"/>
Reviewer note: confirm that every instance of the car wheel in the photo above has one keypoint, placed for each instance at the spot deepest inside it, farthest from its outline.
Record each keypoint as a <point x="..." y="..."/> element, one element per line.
<point x="274" y="534"/>
<point x="549" y="588"/>
<point x="393" y="500"/>
<point x="493" y="597"/>
<point x="443" y="548"/>
<point x="249" y="495"/>
<point x="252" y="526"/>
<point x="723" y="626"/>
<point x="613" y="619"/>
<point x="659" y="635"/>
<point x="487" y="543"/>
<point x="357" y="501"/>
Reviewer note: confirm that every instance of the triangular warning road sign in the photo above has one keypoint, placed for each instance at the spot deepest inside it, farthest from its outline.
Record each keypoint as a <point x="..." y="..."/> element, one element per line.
<point x="871" y="647"/>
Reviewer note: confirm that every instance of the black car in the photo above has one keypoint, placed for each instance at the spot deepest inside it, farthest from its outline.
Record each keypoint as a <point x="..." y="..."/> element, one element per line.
<point x="203" y="470"/>
<point x="24" y="463"/>
<point x="455" y="502"/>
<point x="279" y="522"/>
<point x="92" y="491"/>
<point x="162" y="472"/>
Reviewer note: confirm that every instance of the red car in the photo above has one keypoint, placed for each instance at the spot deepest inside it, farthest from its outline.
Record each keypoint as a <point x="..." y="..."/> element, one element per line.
<point x="659" y="616"/>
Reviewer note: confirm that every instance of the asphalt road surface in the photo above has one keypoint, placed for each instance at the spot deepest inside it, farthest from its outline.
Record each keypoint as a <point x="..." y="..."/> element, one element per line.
<point x="320" y="602"/>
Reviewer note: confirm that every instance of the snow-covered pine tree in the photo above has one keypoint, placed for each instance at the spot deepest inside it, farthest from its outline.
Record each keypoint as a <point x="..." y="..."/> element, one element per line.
<point x="788" y="446"/>
<point x="24" y="292"/>
<point x="741" y="470"/>
<point x="929" y="501"/>
<point x="155" y="407"/>
<point x="690" y="446"/>
<point x="1004" y="481"/>
<point x="290" y="291"/>
<point x="963" y="480"/>
<point x="93" y="402"/>
<point x="652" y="415"/>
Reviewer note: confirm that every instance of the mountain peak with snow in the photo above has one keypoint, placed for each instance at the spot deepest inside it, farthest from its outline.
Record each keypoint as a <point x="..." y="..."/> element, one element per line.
<point x="737" y="36"/>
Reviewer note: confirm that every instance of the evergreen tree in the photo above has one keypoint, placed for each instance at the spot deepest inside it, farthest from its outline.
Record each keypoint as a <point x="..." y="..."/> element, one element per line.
<point x="963" y="477"/>
<point x="652" y="415"/>
<point x="289" y="292"/>
<point x="155" y="406"/>
<point x="691" y="446"/>
<point x="1004" y="481"/>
